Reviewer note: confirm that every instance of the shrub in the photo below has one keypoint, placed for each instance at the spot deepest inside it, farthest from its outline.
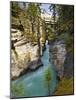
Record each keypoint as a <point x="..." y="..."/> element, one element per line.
<point x="65" y="87"/>
<point x="17" y="90"/>
<point x="47" y="75"/>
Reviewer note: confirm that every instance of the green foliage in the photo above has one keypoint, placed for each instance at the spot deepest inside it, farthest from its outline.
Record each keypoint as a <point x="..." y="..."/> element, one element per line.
<point x="32" y="10"/>
<point x="53" y="10"/>
<point x="68" y="38"/>
<point x="65" y="87"/>
<point x="17" y="90"/>
<point x="69" y="43"/>
<point x="29" y="18"/>
<point x="43" y="38"/>
<point x="15" y="9"/>
<point x="47" y="74"/>
<point x="65" y="25"/>
<point x="52" y="36"/>
<point x="66" y="17"/>
<point x="31" y="38"/>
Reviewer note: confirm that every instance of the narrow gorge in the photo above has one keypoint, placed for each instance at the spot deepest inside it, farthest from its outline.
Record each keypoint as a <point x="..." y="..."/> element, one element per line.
<point x="42" y="49"/>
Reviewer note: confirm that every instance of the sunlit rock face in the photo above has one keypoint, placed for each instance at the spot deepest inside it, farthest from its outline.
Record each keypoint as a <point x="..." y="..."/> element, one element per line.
<point x="18" y="65"/>
<point x="58" y="55"/>
<point x="26" y="57"/>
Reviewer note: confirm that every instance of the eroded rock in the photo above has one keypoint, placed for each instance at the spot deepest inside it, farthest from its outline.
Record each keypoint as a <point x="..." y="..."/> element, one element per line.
<point x="57" y="56"/>
<point x="27" y="59"/>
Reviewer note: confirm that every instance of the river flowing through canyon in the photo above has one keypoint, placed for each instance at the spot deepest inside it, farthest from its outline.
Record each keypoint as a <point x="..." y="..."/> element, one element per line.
<point x="34" y="83"/>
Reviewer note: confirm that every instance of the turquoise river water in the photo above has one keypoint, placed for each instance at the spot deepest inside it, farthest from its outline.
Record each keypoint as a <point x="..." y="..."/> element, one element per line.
<point x="34" y="82"/>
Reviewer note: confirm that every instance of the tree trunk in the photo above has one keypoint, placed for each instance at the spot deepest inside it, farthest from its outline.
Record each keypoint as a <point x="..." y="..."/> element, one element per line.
<point x="54" y="17"/>
<point x="38" y="36"/>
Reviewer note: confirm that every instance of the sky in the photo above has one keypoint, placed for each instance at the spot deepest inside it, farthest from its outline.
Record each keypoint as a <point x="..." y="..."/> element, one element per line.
<point x="43" y="6"/>
<point x="46" y="7"/>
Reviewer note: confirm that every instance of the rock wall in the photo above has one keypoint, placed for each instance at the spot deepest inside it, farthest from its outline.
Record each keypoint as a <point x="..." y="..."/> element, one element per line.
<point x="69" y="66"/>
<point x="58" y="56"/>
<point x="24" y="57"/>
<point x="27" y="59"/>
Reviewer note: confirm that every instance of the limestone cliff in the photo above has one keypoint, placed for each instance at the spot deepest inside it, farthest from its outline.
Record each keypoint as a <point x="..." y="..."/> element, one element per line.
<point x="24" y="56"/>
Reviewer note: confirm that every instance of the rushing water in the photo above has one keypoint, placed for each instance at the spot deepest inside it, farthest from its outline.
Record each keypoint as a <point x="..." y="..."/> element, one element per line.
<point x="34" y="83"/>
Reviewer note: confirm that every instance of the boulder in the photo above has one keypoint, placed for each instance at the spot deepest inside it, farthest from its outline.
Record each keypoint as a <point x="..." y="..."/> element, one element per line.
<point x="35" y="64"/>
